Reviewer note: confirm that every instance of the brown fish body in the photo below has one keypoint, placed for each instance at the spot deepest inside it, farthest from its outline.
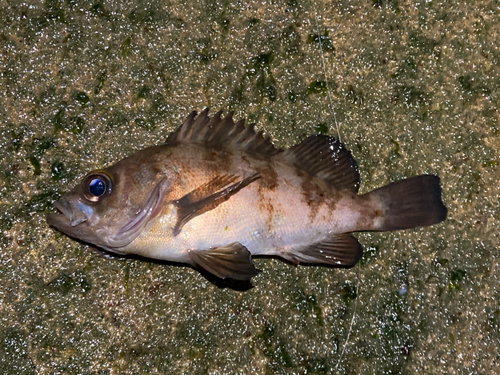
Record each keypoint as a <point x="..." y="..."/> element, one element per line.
<point x="216" y="193"/>
<point x="283" y="209"/>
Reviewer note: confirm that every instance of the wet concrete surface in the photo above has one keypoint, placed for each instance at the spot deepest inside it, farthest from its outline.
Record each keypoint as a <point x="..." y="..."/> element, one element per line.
<point x="411" y="87"/>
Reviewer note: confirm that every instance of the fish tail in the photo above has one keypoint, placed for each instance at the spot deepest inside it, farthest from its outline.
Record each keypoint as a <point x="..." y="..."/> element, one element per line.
<point x="410" y="203"/>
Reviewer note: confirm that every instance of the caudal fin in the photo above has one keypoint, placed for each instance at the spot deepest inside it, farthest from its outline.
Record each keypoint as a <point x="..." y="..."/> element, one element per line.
<point x="410" y="203"/>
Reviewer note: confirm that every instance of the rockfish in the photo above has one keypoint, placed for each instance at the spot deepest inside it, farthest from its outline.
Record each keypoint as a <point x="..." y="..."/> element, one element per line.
<point x="217" y="193"/>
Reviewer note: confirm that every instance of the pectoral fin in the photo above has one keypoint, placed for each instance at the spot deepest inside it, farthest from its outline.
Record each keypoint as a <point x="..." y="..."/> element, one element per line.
<point x="233" y="261"/>
<point x="208" y="196"/>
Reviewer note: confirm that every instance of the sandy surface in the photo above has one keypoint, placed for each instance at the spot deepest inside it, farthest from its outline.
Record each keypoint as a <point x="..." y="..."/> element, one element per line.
<point x="412" y="87"/>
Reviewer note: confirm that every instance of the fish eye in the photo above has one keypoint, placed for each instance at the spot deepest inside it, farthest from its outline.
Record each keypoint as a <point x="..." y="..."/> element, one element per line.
<point x="97" y="185"/>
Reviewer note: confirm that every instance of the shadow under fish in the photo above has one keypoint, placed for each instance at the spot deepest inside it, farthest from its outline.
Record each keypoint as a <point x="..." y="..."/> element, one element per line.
<point x="217" y="193"/>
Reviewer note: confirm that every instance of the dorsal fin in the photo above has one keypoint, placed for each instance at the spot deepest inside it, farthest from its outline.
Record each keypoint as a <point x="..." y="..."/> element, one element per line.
<point x="326" y="158"/>
<point x="222" y="132"/>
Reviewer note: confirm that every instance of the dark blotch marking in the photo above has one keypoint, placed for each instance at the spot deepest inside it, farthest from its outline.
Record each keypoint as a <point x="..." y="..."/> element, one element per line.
<point x="313" y="194"/>
<point x="366" y="205"/>
<point x="269" y="177"/>
<point x="267" y="184"/>
<point x="267" y="208"/>
<point x="210" y="154"/>
<point x="219" y="160"/>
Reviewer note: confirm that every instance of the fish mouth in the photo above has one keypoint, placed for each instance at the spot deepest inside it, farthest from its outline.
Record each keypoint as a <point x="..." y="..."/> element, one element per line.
<point x="68" y="214"/>
<point x="80" y="231"/>
<point x="62" y="223"/>
<point x="58" y="221"/>
<point x="73" y="221"/>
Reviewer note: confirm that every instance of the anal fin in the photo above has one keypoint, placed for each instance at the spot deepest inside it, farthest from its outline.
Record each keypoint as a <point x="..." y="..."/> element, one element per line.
<point x="340" y="250"/>
<point x="230" y="261"/>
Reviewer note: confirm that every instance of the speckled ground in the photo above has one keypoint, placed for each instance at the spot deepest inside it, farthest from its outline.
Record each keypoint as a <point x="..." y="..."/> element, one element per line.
<point x="414" y="89"/>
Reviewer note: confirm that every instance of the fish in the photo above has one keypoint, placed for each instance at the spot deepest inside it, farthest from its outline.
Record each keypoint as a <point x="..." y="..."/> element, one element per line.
<point x="217" y="193"/>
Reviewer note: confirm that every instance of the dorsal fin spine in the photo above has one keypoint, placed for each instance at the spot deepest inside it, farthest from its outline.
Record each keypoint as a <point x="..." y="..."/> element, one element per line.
<point x="187" y="126"/>
<point x="216" y="131"/>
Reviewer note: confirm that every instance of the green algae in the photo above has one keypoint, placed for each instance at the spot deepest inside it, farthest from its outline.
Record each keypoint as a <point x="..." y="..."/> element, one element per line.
<point x="41" y="202"/>
<point x="81" y="97"/>
<point x="317" y="87"/>
<point x="36" y="166"/>
<point x="15" y="358"/>
<point x="275" y="349"/>
<point x="322" y="128"/>
<point x="322" y="40"/>
<point x="58" y="170"/>
<point x="66" y="283"/>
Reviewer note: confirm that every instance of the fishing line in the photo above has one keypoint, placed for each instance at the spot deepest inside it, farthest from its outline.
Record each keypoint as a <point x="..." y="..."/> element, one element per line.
<point x="350" y="327"/>
<point x="331" y="106"/>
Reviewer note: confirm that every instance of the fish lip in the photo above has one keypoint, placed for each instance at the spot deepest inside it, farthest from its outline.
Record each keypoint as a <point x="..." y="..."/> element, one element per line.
<point x="62" y="223"/>
<point x="79" y="232"/>
<point x="73" y="215"/>
<point x="60" y="220"/>
<point x="62" y="206"/>
<point x="55" y="220"/>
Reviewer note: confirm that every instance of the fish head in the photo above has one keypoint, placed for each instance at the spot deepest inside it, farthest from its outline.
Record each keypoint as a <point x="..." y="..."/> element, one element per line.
<point x="111" y="207"/>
